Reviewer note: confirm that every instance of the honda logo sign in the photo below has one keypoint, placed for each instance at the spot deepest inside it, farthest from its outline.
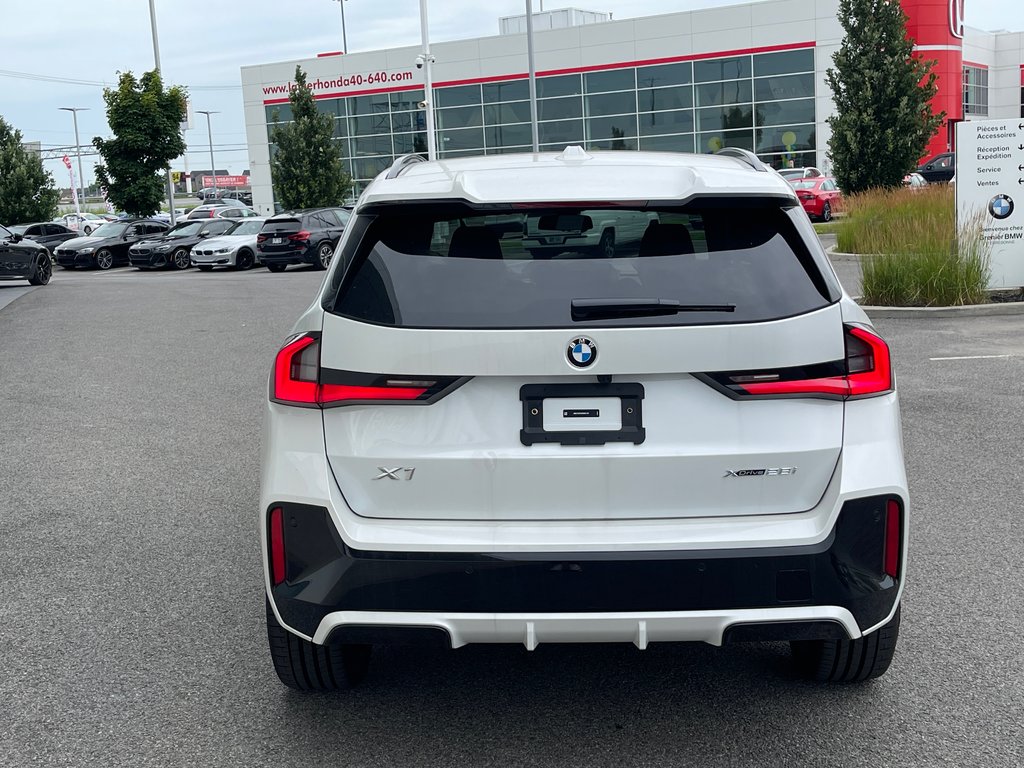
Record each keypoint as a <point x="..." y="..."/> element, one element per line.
<point x="956" y="18"/>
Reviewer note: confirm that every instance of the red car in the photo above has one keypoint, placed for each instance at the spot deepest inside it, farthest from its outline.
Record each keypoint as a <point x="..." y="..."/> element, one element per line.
<point x="820" y="197"/>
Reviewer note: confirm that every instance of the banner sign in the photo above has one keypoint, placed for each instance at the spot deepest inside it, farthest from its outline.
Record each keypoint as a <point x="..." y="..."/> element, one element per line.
<point x="227" y="181"/>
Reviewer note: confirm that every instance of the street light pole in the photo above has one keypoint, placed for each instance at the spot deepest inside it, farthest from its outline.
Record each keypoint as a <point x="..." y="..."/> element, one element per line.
<point x="426" y="60"/>
<point x="156" y="58"/>
<point x="344" y="38"/>
<point x="209" y="133"/>
<point x="78" y="146"/>
<point x="534" y="133"/>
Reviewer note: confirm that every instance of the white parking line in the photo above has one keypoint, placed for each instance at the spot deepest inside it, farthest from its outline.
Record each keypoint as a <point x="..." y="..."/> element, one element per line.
<point x="972" y="357"/>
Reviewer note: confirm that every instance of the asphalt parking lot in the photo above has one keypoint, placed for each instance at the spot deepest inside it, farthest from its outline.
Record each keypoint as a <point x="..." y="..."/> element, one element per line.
<point x="131" y="603"/>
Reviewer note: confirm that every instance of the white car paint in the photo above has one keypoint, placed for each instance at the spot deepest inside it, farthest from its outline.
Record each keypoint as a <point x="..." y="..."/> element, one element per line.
<point x="477" y="489"/>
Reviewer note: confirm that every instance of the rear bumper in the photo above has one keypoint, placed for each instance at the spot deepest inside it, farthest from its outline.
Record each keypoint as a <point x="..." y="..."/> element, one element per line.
<point x="836" y="587"/>
<point x="305" y="256"/>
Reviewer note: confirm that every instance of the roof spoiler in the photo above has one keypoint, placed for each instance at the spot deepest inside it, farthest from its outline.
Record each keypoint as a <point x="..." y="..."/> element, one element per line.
<point x="401" y="164"/>
<point x="745" y="156"/>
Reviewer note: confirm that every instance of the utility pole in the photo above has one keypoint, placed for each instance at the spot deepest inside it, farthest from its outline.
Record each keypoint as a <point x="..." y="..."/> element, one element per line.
<point x="78" y="146"/>
<point x="156" y="58"/>
<point x="533" y="75"/>
<point x="344" y="37"/>
<point x="209" y="133"/>
<point x="426" y="61"/>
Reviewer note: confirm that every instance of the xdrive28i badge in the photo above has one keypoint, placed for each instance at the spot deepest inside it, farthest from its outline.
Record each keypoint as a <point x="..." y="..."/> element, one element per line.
<point x="582" y="352"/>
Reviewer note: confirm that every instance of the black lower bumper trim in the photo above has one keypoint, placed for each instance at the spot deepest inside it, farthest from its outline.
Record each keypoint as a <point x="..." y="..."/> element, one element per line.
<point x="846" y="570"/>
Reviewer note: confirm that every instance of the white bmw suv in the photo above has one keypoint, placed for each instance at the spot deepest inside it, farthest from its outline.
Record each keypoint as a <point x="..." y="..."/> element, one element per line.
<point x="695" y="437"/>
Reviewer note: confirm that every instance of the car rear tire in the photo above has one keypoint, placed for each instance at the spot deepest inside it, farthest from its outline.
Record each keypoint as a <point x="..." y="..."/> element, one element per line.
<point x="848" y="661"/>
<point x="276" y="267"/>
<point x="180" y="259"/>
<point x="244" y="260"/>
<point x="204" y="267"/>
<point x="606" y="248"/>
<point x="43" y="272"/>
<point x="826" y="212"/>
<point x="306" y="666"/>
<point x="324" y="252"/>
<point x="104" y="259"/>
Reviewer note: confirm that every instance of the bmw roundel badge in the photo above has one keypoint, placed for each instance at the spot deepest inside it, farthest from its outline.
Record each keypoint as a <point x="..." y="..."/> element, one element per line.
<point x="581" y="352"/>
<point x="1000" y="206"/>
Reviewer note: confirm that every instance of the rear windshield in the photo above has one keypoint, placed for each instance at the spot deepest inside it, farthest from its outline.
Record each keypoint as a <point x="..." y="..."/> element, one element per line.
<point x="286" y="225"/>
<point x="450" y="266"/>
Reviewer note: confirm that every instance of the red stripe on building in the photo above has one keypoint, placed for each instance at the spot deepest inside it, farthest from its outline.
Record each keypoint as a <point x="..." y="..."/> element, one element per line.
<point x="564" y="71"/>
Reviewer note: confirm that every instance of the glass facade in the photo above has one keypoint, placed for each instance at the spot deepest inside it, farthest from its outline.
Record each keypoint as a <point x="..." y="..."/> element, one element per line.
<point x="975" y="91"/>
<point x="760" y="102"/>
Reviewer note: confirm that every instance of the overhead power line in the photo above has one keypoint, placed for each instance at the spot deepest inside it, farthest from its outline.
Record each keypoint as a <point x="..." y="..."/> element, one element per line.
<point x="98" y="83"/>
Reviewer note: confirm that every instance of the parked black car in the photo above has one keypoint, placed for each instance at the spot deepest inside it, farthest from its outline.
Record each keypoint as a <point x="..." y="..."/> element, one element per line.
<point x="172" y="249"/>
<point x="108" y="245"/>
<point x="940" y="168"/>
<point x="48" y="234"/>
<point x="22" y="259"/>
<point x="306" y="236"/>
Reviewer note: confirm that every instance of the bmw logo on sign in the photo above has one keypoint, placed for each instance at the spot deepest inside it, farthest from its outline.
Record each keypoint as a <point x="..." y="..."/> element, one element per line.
<point x="582" y="352"/>
<point x="1000" y="206"/>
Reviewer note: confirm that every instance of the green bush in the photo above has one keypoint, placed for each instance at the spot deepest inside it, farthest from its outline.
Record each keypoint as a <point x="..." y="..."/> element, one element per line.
<point x="911" y="254"/>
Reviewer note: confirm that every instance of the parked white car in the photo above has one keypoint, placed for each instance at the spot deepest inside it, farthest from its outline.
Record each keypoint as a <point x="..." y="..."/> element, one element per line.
<point x="236" y="248"/>
<point x="84" y="223"/>
<point x="695" y="440"/>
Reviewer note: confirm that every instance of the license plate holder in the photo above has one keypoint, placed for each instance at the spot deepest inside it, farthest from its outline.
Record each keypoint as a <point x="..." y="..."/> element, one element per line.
<point x="566" y="397"/>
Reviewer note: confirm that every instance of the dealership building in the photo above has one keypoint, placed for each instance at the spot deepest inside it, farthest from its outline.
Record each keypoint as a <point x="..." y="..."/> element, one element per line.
<point x="749" y="75"/>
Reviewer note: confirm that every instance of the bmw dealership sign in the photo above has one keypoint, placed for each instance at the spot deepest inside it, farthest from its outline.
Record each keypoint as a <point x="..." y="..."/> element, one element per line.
<point x="990" y="186"/>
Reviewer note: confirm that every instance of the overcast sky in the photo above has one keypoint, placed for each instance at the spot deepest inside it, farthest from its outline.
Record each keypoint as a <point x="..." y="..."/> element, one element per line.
<point x="203" y="44"/>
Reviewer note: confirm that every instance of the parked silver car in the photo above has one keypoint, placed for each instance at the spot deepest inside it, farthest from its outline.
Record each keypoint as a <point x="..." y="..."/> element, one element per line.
<point x="236" y="248"/>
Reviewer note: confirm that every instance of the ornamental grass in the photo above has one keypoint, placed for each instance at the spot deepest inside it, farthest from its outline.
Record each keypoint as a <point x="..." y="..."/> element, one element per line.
<point x="911" y="254"/>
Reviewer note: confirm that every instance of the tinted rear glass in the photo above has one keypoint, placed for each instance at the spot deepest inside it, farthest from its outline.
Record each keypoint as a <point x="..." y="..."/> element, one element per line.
<point x="282" y="225"/>
<point x="452" y="267"/>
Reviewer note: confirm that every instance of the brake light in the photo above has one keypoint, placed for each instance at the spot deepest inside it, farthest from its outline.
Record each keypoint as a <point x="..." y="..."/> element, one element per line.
<point x="277" y="563"/>
<point x="298" y="380"/>
<point x="301" y="236"/>
<point x="891" y="566"/>
<point x="865" y="371"/>
<point x="261" y="238"/>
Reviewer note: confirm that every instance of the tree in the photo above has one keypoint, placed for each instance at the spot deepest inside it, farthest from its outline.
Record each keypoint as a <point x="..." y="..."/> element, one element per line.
<point x="883" y="119"/>
<point x="145" y="119"/>
<point x="27" y="193"/>
<point x="306" y="166"/>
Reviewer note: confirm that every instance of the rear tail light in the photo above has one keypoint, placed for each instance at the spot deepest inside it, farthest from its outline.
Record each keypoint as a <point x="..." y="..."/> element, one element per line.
<point x="276" y="536"/>
<point x="261" y="238"/>
<point x="864" y="372"/>
<point x="298" y="380"/>
<point x="893" y="543"/>
<point x="301" y="236"/>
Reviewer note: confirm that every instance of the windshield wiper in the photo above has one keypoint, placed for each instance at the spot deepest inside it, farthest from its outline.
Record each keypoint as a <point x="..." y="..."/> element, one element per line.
<point x="603" y="309"/>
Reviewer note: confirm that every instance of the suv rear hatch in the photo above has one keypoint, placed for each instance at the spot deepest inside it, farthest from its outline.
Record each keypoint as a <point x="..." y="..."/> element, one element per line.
<point x="282" y="237"/>
<point x="468" y="379"/>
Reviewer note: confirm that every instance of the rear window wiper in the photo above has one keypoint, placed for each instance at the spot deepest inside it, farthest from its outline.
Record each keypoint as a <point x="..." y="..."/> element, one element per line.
<point x="602" y="309"/>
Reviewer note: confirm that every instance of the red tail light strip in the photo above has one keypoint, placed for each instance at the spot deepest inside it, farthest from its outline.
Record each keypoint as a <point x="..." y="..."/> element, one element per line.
<point x="893" y="544"/>
<point x="277" y="562"/>
<point x="334" y="392"/>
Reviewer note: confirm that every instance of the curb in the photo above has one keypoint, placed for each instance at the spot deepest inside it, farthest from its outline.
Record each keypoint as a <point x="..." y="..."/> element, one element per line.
<point x="996" y="309"/>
